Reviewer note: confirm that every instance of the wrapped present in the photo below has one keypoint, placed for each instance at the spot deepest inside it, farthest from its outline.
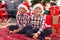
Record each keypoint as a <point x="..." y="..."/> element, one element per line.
<point x="59" y="19"/>
<point x="54" y="10"/>
<point x="48" y="19"/>
<point x="55" y="24"/>
<point x="55" y="28"/>
<point x="57" y="8"/>
<point x="55" y="19"/>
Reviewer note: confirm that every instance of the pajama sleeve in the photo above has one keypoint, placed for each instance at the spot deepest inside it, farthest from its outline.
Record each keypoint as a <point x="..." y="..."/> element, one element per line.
<point x="17" y="20"/>
<point x="42" y="24"/>
<point x="25" y="21"/>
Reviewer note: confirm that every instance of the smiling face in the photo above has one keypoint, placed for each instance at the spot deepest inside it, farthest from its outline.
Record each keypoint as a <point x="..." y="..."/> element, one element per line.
<point x="22" y="10"/>
<point x="37" y="11"/>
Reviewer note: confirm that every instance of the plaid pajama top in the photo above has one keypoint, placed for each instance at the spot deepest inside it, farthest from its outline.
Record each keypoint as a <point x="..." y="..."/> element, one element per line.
<point x="38" y="23"/>
<point x="22" y="20"/>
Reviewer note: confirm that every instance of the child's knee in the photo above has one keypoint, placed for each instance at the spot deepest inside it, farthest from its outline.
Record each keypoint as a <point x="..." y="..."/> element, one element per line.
<point x="49" y="31"/>
<point x="29" y="33"/>
<point x="13" y="27"/>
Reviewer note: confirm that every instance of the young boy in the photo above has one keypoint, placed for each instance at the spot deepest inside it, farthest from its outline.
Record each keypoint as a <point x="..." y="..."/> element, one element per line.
<point x="37" y="23"/>
<point x="22" y="20"/>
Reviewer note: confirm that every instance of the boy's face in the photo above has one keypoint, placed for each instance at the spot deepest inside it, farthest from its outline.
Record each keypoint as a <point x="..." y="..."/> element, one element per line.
<point x="37" y="11"/>
<point x="22" y="10"/>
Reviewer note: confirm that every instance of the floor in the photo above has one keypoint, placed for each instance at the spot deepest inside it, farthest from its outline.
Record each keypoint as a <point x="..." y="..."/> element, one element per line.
<point x="11" y="21"/>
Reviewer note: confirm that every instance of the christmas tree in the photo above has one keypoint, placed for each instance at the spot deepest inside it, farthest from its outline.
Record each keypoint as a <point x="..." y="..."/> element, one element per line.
<point x="38" y="1"/>
<point x="54" y="2"/>
<point x="44" y="2"/>
<point x="35" y="1"/>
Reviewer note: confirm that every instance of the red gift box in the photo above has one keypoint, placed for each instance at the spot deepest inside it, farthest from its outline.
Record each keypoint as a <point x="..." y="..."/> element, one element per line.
<point x="52" y="8"/>
<point x="48" y="19"/>
<point x="56" y="7"/>
<point x="56" y="27"/>
<point x="59" y="19"/>
<point x="56" y="12"/>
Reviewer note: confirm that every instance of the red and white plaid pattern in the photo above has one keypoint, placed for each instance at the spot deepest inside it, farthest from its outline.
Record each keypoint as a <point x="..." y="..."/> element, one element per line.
<point x="22" y="20"/>
<point x="38" y="22"/>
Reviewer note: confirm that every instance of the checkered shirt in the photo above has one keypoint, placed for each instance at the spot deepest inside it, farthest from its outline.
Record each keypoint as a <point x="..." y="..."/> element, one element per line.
<point x="38" y="23"/>
<point x="22" y="20"/>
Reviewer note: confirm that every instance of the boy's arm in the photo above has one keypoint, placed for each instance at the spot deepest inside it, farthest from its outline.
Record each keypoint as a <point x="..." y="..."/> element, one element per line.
<point x="17" y="20"/>
<point x="42" y="24"/>
<point x="25" y="21"/>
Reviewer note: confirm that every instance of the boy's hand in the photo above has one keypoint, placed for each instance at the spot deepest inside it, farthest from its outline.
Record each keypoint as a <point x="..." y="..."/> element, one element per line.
<point x="15" y="31"/>
<point x="35" y="35"/>
<point x="11" y="32"/>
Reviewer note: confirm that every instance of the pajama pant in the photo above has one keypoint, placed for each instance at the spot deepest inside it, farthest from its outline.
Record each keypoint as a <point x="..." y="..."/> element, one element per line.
<point x="23" y="31"/>
<point x="28" y="30"/>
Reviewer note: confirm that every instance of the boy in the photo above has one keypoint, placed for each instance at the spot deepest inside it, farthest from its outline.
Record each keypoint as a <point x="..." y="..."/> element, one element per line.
<point x="37" y="23"/>
<point x="22" y="20"/>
